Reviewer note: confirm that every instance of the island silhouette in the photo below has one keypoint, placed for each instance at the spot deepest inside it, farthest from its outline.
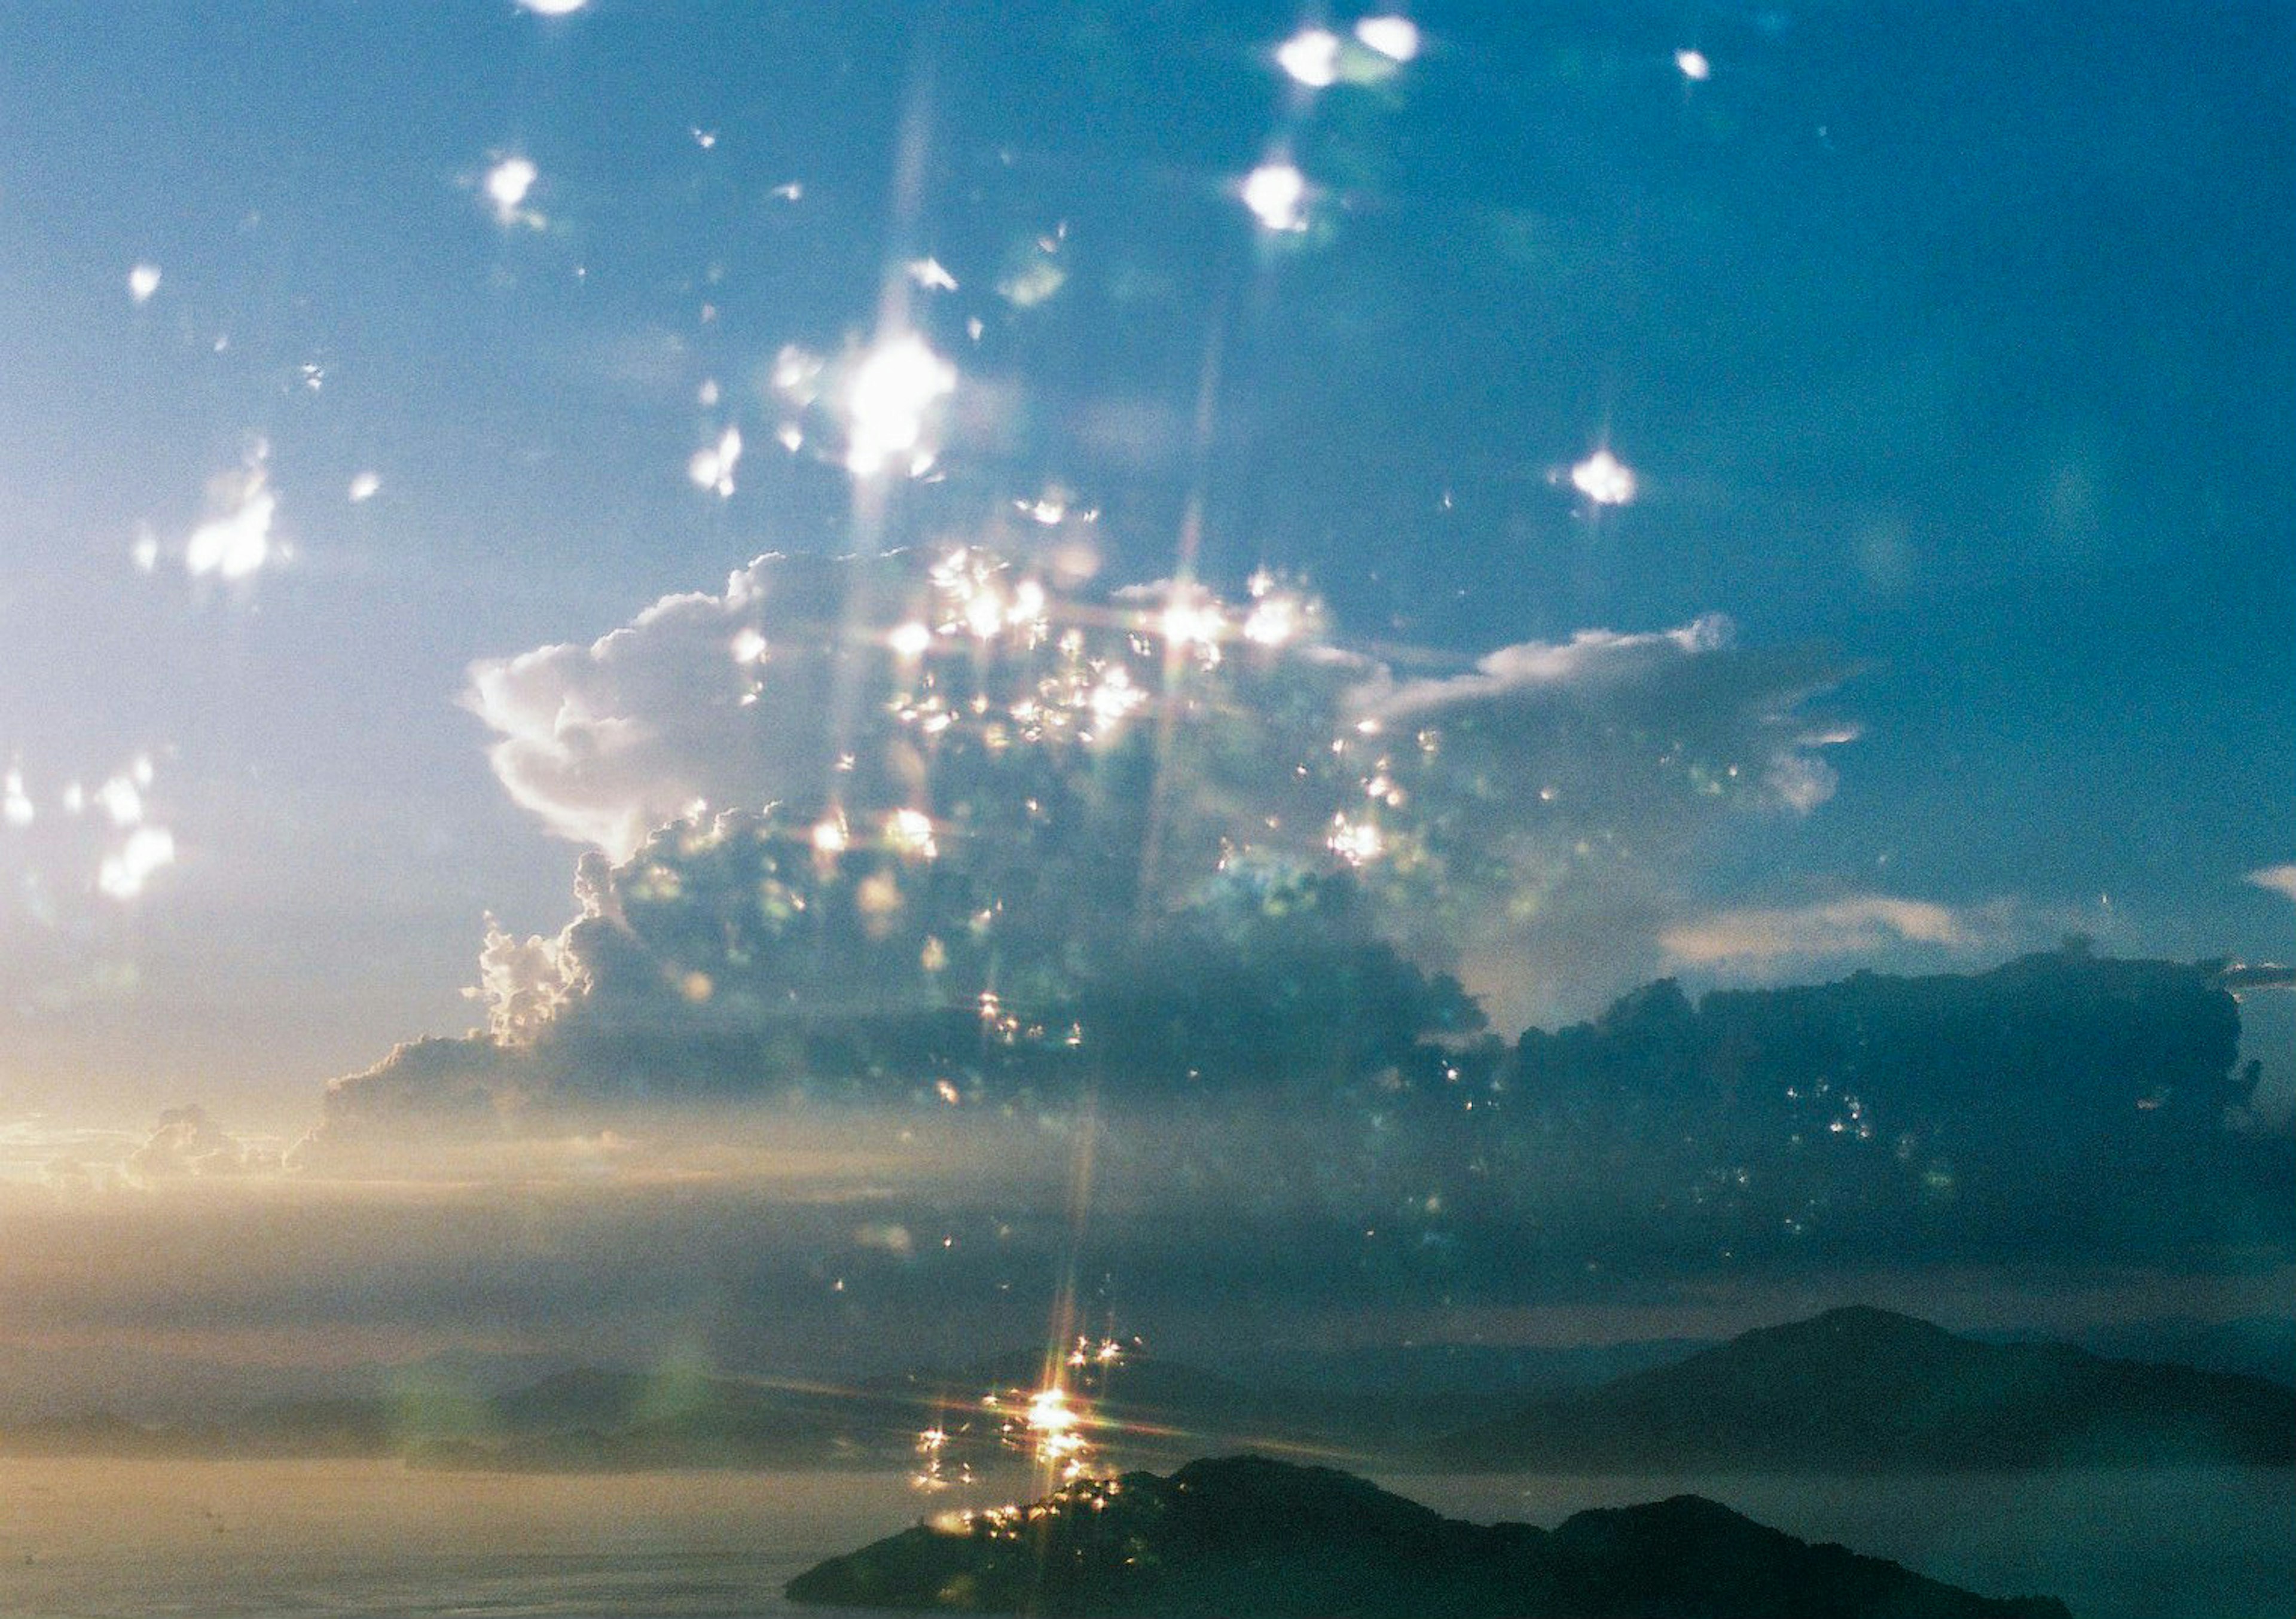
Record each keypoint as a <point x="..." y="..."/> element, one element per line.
<point x="1245" y="1534"/>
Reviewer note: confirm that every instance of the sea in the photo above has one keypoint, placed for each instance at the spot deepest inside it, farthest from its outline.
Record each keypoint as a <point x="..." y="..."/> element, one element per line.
<point x="113" y="1538"/>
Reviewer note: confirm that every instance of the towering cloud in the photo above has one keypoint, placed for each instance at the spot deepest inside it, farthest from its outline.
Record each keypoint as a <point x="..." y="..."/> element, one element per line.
<point x="855" y="816"/>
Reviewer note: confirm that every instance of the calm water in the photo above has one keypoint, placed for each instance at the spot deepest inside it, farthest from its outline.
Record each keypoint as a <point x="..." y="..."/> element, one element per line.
<point x="127" y="1540"/>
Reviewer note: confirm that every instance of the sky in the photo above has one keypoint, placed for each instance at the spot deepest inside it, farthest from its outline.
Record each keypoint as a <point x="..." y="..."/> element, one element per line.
<point x="1834" y="462"/>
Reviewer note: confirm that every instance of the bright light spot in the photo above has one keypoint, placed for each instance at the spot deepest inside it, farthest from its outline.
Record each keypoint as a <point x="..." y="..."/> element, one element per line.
<point x="1396" y="39"/>
<point x="792" y="191"/>
<point x="932" y="272"/>
<point x="1116" y="697"/>
<point x="712" y="468"/>
<point x="553" y="8"/>
<point x="891" y="392"/>
<point x="1273" y="621"/>
<point x="1693" y="65"/>
<point x="365" y="487"/>
<point x="1049" y="1411"/>
<point x="15" y="803"/>
<point x="1276" y="193"/>
<point x="911" y="831"/>
<point x="797" y="374"/>
<point x="233" y="545"/>
<point x="749" y="645"/>
<point x="705" y="138"/>
<point x="142" y="282"/>
<point x="507" y="184"/>
<point x="1192" y="623"/>
<point x="830" y="836"/>
<point x="909" y="640"/>
<point x="1311" y="57"/>
<point x="1357" y="842"/>
<point x="1054" y="507"/>
<point x="1605" y="480"/>
<point x="145" y="553"/>
<point x="708" y="394"/>
<point x="147" y="849"/>
<point x="947" y="1092"/>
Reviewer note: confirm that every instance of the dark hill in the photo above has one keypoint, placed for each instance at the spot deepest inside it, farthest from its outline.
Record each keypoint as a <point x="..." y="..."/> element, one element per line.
<point x="1864" y="1389"/>
<point x="1246" y="1535"/>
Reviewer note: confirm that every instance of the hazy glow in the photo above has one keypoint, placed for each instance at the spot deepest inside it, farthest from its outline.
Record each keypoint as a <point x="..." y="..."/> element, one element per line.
<point x="893" y="391"/>
<point x="147" y="850"/>
<point x="1605" y="480"/>
<point x="911" y="831"/>
<point x="238" y="543"/>
<point x="1693" y="65"/>
<point x="365" y="487"/>
<point x="712" y="469"/>
<point x="120" y="801"/>
<point x="1311" y="57"/>
<point x="1276" y="193"/>
<point x="142" y="282"/>
<point x="15" y="803"/>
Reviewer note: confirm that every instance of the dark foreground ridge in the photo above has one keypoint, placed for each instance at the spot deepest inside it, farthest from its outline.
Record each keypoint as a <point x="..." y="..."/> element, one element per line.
<point x="1247" y="1535"/>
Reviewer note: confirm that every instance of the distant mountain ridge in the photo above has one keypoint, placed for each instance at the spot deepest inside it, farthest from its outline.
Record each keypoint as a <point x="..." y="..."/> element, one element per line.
<point x="1861" y="1388"/>
<point x="1854" y="1389"/>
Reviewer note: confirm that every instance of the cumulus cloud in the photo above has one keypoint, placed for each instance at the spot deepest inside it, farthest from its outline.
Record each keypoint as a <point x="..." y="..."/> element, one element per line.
<point x="188" y="1143"/>
<point x="2279" y="879"/>
<point x="1549" y="788"/>
<point x="1856" y="926"/>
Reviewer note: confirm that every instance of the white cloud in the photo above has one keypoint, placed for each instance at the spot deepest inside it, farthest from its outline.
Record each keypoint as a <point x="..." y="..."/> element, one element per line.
<point x="2280" y="879"/>
<point x="607" y="741"/>
<point x="1855" y="926"/>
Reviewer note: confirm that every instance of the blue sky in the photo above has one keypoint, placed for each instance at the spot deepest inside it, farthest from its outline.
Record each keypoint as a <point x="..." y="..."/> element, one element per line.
<point x="1952" y="350"/>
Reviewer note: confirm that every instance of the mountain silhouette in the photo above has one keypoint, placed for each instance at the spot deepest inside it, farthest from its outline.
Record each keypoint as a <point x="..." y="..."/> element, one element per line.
<point x="1861" y="1388"/>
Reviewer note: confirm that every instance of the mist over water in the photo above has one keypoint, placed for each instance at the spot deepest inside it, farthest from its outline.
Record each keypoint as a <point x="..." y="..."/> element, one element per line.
<point x="288" y="1540"/>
